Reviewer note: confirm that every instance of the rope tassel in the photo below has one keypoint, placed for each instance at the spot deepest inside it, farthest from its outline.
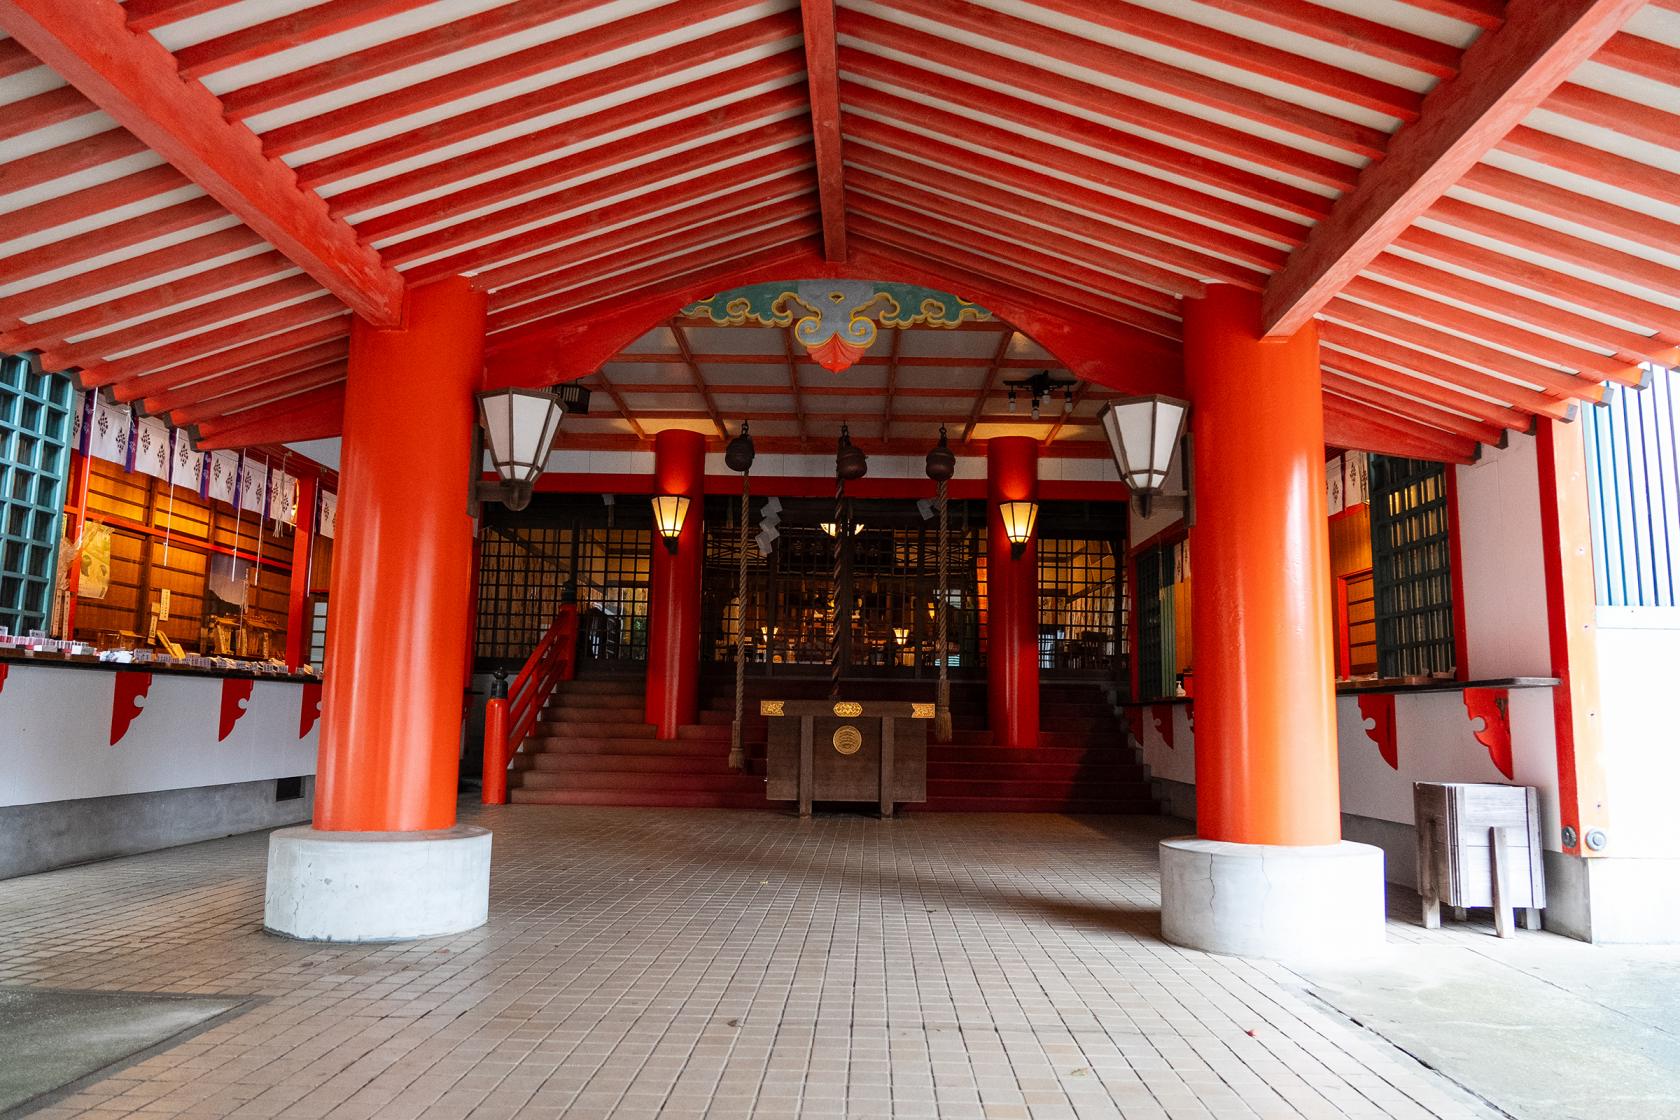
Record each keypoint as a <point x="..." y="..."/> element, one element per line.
<point x="941" y="607"/>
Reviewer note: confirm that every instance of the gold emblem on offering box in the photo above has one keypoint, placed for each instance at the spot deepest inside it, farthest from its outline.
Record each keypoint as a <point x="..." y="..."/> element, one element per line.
<point x="848" y="708"/>
<point x="921" y="711"/>
<point x="770" y="707"/>
<point x="848" y="739"/>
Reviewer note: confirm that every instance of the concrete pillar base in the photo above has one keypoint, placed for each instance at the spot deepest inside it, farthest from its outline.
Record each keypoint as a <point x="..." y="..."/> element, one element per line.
<point x="376" y="886"/>
<point x="1280" y="903"/>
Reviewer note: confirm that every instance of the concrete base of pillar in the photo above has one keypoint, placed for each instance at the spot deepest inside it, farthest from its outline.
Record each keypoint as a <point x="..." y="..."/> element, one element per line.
<point x="1280" y="903"/>
<point x="376" y="886"/>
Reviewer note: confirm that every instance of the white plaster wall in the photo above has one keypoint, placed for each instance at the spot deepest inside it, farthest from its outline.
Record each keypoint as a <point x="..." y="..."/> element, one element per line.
<point x="1436" y="743"/>
<point x="1638" y="658"/>
<point x="55" y="735"/>
<point x="1503" y="567"/>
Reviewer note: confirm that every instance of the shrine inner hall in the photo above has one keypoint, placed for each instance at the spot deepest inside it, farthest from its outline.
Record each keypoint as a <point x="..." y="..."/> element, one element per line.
<point x="858" y="558"/>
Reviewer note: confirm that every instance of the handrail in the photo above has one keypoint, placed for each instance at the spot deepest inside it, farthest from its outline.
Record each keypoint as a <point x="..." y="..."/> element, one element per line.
<point x="508" y="719"/>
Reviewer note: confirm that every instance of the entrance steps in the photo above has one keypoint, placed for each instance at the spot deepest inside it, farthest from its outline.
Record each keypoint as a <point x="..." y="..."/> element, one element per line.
<point x="590" y="747"/>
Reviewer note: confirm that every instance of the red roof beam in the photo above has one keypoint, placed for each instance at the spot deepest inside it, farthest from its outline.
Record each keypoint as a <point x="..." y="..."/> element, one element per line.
<point x="1570" y="206"/>
<point x="822" y="83"/>
<point x="270" y="37"/>
<point x="1506" y="73"/>
<point x="1444" y="370"/>
<point x="319" y="412"/>
<point x="43" y="110"/>
<point x="69" y="251"/>
<point x="1350" y="32"/>
<point x="133" y="78"/>
<point x="1359" y="427"/>
<point x="1466" y="426"/>
<point x="1445" y="396"/>
<point x="1594" y="164"/>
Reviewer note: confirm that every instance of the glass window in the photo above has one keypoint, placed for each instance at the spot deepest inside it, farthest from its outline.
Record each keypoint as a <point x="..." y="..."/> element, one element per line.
<point x="1411" y="564"/>
<point x="34" y="461"/>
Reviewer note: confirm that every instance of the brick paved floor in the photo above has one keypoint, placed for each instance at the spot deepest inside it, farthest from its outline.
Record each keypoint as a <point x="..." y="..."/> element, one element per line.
<point x="689" y="963"/>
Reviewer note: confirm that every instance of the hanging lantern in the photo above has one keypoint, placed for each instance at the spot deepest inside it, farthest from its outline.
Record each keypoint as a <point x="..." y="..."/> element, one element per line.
<point x="519" y="427"/>
<point x="833" y="530"/>
<point x="1018" y="521"/>
<point x="850" y="463"/>
<point x="669" y="513"/>
<point x="739" y="455"/>
<point x="1144" y="433"/>
<point x="941" y="463"/>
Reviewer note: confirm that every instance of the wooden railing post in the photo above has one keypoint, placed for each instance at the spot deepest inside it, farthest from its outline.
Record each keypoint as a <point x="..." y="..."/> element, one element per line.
<point x="495" y="753"/>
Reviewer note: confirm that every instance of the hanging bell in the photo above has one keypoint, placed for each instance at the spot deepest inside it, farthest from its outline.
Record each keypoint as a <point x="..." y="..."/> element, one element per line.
<point x="739" y="455"/>
<point x="941" y="463"/>
<point x="850" y="463"/>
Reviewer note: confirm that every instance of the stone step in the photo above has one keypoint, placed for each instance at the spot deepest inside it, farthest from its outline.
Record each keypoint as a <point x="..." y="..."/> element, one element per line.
<point x="1100" y="769"/>
<point x="1003" y="790"/>
<point x="576" y="763"/>
<point x="641" y="798"/>
<point x="595" y="729"/>
<point x="1086" y="807"/>
<point x="727" y="782"/>
<point x="597" y="744"/>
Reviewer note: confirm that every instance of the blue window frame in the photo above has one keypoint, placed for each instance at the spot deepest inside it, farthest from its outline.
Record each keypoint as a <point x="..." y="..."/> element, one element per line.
<point x="1633" y="483"/>
<point x="34" y="460"/>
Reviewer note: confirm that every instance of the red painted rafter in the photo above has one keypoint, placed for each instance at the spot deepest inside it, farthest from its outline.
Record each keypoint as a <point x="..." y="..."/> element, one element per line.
<point x="272" y="369"/>
<point x="1008" y="186"/>
<point x="134" y="79"/>
<point x="254" y="328"/>
<point x="1444" y="370"/>
<point x="273" y="36"/>
<point x="895" y="339"/>
<point x="1012" y="37"/>
<point x="697" y="377"/>
<point x="1087" y="108"/>
<point x="69" y="251"/>
<point x="319" y="412"/>
<point x="822" y="82"/>
<point x="789" y="350"/>
<point x="90" y="282"/>
<point x="1506" y="73"/>
<point x="1350" y="32"/>
<point x="267" y="394"/>
<point x="1359" y="427"/>
<point x="1010" y="145"/>
<point x="735" y="156"/>
<point x="617" y="398"/>
<point x="1446" y="396"/>
<point x="232" y="359"/>
<point x="570" y="50"/>
<point x="1470" y="428"/>
<point x="986" y="380"/>
<point x="641" y="141"/>
<point x="43" y="110"/>
<point x="1570" y="206"/>
<point x="67" y="159"/>
<point x="144" y="15"/>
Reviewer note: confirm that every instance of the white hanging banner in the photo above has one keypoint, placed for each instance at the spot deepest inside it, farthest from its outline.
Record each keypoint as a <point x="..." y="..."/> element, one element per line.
<point x="1357" y="471"/>
<point x="186" y="466"/>
<point x="328" y="509"/>
<point x="80" y="402"/>
<point x="109" y="430"/>
<point x="222" y="477"/>
<point x="151" y="447"/>
<point x="253" y="486"/>
<point x="1333" y="492"/>
<point x="282" y="497"/>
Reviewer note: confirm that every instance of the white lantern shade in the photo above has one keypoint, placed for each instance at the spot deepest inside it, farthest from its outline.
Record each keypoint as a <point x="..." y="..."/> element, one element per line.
<point x="669" y="513"/>
<point x="1144" y="433"/>
<point x="520" y="426"/>
<point x="1018" y="521"/>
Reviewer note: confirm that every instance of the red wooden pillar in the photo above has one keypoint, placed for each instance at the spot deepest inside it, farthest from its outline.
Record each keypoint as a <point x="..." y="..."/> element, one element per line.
<point x="1266" y="770"/>
<point x="391" y="712"/>
<point x="297" y="600"/>
<point x="673" y="671"/>
<point x="1011" y="597"/>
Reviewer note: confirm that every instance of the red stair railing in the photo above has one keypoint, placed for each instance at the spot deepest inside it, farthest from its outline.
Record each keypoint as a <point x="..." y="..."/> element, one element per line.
<point x="509" y="720"/>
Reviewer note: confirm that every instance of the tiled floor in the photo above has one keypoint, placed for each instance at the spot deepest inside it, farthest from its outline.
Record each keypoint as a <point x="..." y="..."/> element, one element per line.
<point x="688" y="963"/>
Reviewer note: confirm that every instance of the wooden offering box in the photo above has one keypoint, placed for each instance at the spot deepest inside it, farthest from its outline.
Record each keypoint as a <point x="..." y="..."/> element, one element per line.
<point x="845" y="750"/>
<point x="1479" y="845"/>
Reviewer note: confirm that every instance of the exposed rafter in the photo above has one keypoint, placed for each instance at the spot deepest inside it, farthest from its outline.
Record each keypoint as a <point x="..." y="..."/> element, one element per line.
<point x="134" y="79"/>
<point x="699" y="378"/>
<point x="986" y="381"/>
<point x="793" y="387"/>
<point x="822" y="76"/>
<point x="1506" y="73"/>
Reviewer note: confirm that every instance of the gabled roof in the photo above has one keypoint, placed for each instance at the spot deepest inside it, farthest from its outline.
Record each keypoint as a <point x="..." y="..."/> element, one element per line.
<point x="1479" y="203"/>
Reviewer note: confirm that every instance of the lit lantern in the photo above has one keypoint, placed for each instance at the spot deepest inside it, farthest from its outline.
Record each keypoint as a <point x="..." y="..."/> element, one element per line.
<point x="833" y="530"/>
<point x="901" y="634"/>
<point x="1018" y="521"/>
<point x="519" y="426"/>
<point x="669" y="513"/>
<point x="1144" y="433"/>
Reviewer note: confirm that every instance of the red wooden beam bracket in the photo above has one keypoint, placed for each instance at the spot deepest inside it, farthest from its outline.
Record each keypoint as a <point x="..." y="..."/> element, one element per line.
<point x="134" y="79"/>
<point x="1162" y="716"/>
<point x="822" y="75"/>
<point x="1378" y="707"/>
<point x="1493" y="707"/>
<point x="1505" y="74"/>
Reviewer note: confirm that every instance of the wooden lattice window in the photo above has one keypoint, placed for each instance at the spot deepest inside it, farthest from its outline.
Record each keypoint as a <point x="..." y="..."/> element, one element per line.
<point x="1411" y="561"/>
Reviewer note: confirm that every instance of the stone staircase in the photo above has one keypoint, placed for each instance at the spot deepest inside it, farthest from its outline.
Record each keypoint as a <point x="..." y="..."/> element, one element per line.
<point x="591" y="747"/>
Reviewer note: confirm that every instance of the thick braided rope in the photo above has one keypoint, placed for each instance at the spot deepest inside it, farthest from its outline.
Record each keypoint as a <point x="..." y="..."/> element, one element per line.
<point x="834" y="642"/>
<point x="942" y="705"/>
<point x="737" y="754"/>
